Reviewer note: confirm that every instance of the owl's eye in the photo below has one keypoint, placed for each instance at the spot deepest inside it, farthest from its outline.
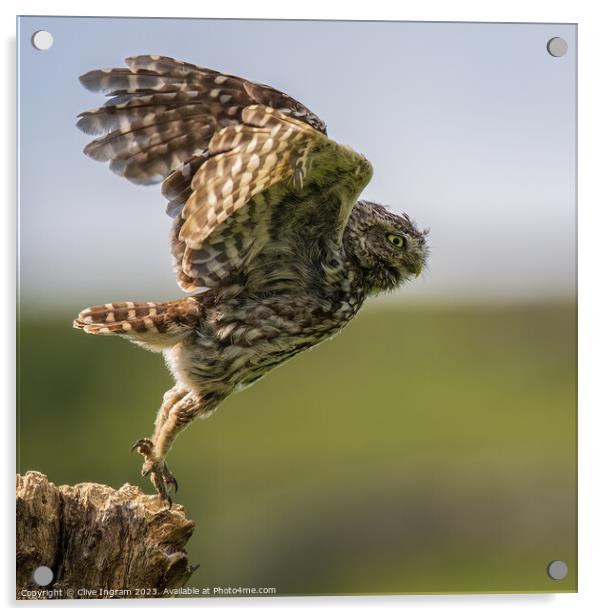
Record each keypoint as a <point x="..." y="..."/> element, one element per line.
<point x="395" y="239"/>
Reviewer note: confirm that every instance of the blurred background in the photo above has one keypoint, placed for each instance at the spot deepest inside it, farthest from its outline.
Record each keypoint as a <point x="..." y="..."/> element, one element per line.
<point x="431" y="447"/>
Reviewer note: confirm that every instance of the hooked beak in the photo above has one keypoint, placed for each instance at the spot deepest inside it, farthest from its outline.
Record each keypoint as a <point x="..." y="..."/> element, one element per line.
<point x="416" y="269"/>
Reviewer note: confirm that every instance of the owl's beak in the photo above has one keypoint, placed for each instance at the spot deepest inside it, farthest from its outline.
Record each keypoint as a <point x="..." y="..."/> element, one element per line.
<point x="416" y="268"/>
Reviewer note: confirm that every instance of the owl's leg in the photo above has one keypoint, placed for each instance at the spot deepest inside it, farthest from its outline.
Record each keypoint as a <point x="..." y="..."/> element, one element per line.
<point x="145" y="446"/>
<point x="179" y="409"/>
<point x="171" y="397"/>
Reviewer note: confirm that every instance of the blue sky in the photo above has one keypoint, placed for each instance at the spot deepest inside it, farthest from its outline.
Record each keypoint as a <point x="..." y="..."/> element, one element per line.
<point x="470" y="129"/>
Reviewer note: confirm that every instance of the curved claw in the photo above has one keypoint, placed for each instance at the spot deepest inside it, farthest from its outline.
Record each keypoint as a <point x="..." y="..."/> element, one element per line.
<point x="143" y="446"/>
<point x="160" y="475"/>
<point x="158" y="480"/>
<point x="170" y="480"/>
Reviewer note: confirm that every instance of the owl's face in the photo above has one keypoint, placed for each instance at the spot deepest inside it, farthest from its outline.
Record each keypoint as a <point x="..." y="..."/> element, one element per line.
<point x="389" y="246"/>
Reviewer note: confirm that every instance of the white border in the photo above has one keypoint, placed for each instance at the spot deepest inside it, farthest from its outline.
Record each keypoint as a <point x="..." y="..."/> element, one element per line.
<point x="583" y="12"/>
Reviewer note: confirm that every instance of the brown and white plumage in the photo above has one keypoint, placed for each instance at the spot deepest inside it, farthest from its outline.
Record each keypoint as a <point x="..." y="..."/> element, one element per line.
<point x="267" y="229"/>
<point x="219" y="143"/>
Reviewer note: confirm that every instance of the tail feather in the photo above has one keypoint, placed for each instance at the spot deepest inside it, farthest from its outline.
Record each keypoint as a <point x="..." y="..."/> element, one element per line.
<point x="152" y="324"/>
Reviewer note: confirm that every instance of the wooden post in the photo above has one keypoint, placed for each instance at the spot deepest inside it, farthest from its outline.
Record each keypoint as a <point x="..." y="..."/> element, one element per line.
<point x="98" y="542"/>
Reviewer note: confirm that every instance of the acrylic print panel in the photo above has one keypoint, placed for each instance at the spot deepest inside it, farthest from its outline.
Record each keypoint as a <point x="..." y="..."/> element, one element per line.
<point x="430" y="447"/>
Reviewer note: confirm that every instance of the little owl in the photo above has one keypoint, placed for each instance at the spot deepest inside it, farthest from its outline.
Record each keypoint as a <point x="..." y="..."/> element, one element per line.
<point x="268" y="237"/>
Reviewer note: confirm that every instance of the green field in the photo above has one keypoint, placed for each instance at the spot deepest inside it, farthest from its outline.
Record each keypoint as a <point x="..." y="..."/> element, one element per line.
<point x="425" y="449"/>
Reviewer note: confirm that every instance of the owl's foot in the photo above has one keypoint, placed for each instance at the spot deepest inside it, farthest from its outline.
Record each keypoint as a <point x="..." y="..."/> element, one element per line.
<point x="160" y="474"/>
<point x="143" y="446"/>
<point x="161" y="478"/>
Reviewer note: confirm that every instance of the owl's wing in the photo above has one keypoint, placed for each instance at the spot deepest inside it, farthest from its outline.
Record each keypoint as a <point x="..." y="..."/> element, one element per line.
<point x="245" y="166"/>
<point x="262" y="184"/>
<point x="163" y="112"/>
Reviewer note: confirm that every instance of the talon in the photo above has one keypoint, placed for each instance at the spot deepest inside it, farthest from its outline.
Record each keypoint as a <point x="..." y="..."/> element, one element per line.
<point x="171" y="481"/>
<point x="143" y="446"/>
<point x="159" y="483"/>
<point x="160" y="475"/>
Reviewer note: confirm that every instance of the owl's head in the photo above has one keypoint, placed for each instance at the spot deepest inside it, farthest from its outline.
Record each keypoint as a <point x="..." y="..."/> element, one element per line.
<point x="389" y="247"/>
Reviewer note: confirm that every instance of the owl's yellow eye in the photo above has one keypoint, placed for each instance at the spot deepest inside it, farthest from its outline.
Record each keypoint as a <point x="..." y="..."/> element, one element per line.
<point x="395" y="239"/>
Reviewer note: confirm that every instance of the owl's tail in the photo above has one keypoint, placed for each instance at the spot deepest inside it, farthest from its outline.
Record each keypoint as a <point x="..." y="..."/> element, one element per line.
<point x="152" y="324"/>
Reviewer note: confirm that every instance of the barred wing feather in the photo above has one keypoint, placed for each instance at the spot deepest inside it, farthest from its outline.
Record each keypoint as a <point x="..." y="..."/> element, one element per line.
<point x="244" y="167"/>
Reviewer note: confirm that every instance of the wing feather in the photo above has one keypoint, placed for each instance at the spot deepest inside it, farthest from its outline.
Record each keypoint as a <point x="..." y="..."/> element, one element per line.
<point x="246" y="159"/>
<point x="225" y="221"/>
<point x="156" y="97"/>
<point x="236" y="159"/>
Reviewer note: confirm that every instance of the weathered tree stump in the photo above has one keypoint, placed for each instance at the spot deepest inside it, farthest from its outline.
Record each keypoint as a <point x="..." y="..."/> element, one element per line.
<point x="98" y="542"/>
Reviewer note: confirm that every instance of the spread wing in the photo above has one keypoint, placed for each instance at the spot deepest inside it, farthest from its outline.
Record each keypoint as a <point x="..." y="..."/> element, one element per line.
<point x="246" y="168"/>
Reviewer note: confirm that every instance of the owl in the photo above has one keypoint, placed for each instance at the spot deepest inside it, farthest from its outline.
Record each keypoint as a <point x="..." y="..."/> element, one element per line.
<point x="269" y="240"/>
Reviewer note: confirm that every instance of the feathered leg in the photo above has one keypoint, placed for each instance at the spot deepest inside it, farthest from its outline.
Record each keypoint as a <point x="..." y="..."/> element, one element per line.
<point x="179" y="408"/>
<point x="145" y="446"/>
<point x="171" y="397"/>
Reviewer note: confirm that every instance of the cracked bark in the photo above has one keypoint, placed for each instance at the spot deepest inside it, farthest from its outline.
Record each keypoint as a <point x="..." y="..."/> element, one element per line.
<point x="98" y="542"/>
